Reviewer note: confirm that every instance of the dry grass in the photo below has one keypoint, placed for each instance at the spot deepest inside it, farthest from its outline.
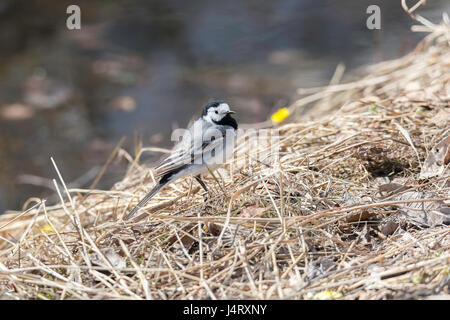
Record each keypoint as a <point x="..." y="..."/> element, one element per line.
<point x="314" y="222"/>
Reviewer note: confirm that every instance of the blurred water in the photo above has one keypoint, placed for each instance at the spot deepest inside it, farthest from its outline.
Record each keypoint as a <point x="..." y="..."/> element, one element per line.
<point x="144" y="67"/>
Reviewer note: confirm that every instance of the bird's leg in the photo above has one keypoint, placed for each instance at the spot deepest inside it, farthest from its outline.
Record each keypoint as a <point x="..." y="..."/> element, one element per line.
<point x="199" y="179"/>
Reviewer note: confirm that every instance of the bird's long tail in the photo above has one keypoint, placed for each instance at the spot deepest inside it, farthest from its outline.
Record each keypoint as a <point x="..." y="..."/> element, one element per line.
<point x="147" y="198"/>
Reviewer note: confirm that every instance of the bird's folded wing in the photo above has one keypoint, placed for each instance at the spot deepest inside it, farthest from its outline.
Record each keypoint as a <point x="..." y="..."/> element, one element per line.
<point x="188" y="154"/>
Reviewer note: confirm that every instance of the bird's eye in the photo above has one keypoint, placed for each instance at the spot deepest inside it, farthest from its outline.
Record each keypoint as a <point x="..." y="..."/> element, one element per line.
<point x="217" y="112"/>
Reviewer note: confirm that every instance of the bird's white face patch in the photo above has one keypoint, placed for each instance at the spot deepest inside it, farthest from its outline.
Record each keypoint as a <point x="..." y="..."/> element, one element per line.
<point x="224" y="108"/>
<point x="217" y="113"/>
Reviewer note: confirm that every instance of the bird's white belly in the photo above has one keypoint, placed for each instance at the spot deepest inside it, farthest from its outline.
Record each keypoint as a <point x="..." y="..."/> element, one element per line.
<point x="193" y="170"/>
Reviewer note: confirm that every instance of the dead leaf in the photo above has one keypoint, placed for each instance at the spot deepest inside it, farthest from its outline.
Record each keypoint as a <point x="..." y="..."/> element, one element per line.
<point x="391" y="188"/>
<point x="252" y="211"/>
<point x="441" y="119"/>
<point x="438" y="158"/>
<point x="389" y="227"/>
<point x="116" y="260"/>
<point x="359" y="215"/>
<point x="429" y="214"/>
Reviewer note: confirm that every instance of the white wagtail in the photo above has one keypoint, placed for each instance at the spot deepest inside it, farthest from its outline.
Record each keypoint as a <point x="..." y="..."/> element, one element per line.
<point x="204" y="146"/>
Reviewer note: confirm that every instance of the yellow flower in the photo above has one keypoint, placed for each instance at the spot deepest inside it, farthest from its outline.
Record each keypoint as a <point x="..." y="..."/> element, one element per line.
<point x="47" y="229"/>
<point x="327" y="295"/>
<point x="280" y="115"/>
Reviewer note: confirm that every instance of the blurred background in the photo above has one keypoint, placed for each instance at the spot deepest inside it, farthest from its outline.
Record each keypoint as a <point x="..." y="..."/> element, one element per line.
<point x="141" y="68"/>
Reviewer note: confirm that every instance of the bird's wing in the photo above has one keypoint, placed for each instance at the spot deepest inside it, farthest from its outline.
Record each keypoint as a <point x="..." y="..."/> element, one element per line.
<point x="197" y="149"/>
<point x="191" y="155"/>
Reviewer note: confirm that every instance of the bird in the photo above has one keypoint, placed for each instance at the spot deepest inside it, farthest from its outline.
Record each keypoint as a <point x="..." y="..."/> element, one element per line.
<point x="204" y="146"/>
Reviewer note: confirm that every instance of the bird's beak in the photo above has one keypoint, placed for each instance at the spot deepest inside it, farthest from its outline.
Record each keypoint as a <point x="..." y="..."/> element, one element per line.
<point x="231" y="112"/>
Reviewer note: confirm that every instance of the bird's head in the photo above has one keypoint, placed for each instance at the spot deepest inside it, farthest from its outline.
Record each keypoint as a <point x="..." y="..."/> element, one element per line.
<point x="217" y="112"/>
